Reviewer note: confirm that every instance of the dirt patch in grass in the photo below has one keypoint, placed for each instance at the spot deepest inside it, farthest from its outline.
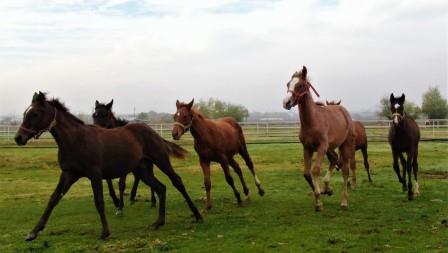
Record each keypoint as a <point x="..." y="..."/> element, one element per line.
<point x="435" y="174"/>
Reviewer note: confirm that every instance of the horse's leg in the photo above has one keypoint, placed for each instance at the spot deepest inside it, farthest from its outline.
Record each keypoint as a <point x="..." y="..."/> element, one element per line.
<point x="403" y="166"/>
<point x="225" y="167"/>
<point x="353" y="169"/>
<point x="307" y="158"/>
<point x="415" y="169"/>
<point x="121" y="187"/>
<point x="134" y="188"/>
<point x="321" y="151"/>
<point x="397" y="167"/>
<point x="165" y="166"/>
<point x="112" y="194"/>
<point x="66" y="180"/>
<point x="409" y="170"/>
<point x="149" y="179"/>
<point x="366" y="163"/>
<point x="245" y="155"/>
<point x="97" y="187"/>
<point x="345" y="152"/>
<point x="205" y="165"/>
<point x="333" y="158"/>
<point x="153" y="199"/>
<point x="237" y="169"/>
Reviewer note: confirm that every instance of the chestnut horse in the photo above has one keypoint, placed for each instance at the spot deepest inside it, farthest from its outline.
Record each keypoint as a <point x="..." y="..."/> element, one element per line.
<point x="404" y="136"/>
<point x="104" y="117"/>
<point x="360" y="144"/>
<point x="215" y="141"/>
<point x="98" y="153"/>
<point x="322" y="128"/>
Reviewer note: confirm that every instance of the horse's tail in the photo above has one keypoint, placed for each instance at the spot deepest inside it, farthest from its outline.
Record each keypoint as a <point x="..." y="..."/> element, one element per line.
<point x="175" y="150"/>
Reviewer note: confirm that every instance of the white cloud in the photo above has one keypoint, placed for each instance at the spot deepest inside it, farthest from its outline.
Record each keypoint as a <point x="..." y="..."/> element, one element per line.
<point x="147" y="54"/>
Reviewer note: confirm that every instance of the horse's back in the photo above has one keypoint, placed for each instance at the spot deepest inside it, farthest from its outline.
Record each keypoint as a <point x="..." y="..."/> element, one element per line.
<point x="340" y="124"/>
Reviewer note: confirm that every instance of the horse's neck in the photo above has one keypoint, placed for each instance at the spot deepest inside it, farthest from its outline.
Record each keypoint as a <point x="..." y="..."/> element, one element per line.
<point x="65" y="130"/>
<point x="198" y="127"/>
<point x="306" y="112"/>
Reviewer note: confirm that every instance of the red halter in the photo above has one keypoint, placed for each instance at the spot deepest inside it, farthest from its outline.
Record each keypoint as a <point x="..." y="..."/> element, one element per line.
<point x="298" y="95"/>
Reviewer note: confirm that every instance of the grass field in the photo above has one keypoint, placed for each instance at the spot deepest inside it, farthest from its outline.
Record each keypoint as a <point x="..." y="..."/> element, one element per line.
<point x="379" y="219"/>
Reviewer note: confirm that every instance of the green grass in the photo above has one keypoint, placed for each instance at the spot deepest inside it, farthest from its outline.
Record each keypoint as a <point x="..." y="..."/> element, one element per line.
<point x="379" y="219"/>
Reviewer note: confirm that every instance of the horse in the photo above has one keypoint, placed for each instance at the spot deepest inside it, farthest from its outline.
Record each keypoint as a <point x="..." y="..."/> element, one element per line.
<point x="322" y="128"/>
<point x="360" y="144"/>
<point x="404" y="137"/>
<point x="215" y="141"/>
<point x="104" y="117"/>
<point x="98" y="153"/>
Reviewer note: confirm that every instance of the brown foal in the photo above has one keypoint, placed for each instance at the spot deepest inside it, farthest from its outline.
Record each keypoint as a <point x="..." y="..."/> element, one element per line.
<point x="322" y="128"/>
<point x="215" y="141"/>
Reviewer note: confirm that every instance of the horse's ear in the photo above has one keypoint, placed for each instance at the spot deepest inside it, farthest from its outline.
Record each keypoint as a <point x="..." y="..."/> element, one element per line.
<point x="177" y="103"/>
<point x="402" y="98"/>
<point x="190" y="105"/>
<point x="339" y="102"/>
<point x="109" y="106"/>
<point x="304" y="72"/>
<point x="392" y="98"/>
<point x="39" y="97"/>
<point x="97" y="103"/>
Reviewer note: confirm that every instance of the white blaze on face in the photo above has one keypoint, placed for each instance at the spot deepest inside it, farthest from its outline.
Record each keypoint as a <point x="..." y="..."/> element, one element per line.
<point x="288" y="97"/>
<point x="396" y="106"/>
<point x="395" y="117"/>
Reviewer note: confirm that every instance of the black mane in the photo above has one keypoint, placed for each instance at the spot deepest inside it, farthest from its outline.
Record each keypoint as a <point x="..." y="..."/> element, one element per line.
<point x="121" y="122"/>
<point x="61" y="107"/>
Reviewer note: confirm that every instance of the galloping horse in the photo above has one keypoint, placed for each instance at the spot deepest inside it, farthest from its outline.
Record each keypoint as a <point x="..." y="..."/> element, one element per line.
<point x="98" y="153"/>
<point x="104" y="117"/>
<point x="215" y="141"/>
<point x="404" y="136"/>
<point x="360" y="144"/>
<point x="322" y="128"/>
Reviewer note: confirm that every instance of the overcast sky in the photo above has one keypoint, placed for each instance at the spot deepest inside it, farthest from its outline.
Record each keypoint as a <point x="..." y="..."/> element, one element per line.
<point x="148" y="53"/>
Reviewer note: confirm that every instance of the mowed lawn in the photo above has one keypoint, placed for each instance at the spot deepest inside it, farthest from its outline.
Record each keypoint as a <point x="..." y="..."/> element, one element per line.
<point x="379" y="219"/>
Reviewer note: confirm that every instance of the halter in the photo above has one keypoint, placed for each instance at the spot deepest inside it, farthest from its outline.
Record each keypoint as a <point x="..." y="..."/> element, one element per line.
<point x="298" y="95"/>
<point x="37" y="134"/>
<point x="185" y="128"/>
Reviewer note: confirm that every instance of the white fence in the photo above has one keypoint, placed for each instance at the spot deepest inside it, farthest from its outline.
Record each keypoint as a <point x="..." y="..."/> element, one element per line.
<point x="267" y="132"/>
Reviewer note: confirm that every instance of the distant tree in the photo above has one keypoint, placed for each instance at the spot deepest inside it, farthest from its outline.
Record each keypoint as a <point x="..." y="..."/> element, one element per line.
<point x="214" y="108"/>
<point x="434" y="105"/>
<point x="142" y="116"/>
<point x="410" y="108"/>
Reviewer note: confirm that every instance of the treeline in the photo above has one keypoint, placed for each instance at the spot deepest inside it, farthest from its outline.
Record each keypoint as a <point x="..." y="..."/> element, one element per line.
<point x="433" y="106"/>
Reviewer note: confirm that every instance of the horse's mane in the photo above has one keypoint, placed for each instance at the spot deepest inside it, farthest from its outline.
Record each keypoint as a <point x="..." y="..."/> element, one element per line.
<point x="121" y="122"/>
<point x="61" y="107"/>
<point x="198" y="113"/>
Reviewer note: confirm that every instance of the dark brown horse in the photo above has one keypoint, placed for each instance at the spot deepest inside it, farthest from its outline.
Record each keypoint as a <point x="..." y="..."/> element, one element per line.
<point x="104" y="117"/>
<point x="215" y="141"/>
<point x="322" y="128"/>
<point x="98" y="153"/>
<point x="404" y="136"/>
<point x="361" y="143"/>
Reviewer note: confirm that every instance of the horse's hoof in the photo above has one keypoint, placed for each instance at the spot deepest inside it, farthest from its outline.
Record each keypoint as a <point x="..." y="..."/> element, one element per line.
<point x="344" y="206"/>
<point x="416" y="194"/>
<point x="410" y="196"/>
<point x="240" y="204"/>
<point x="153" y="205"/>
<point x="31" y="236"/>
<point x="156" y="225"/>
<point x="198" y="219"/>
<point x="319" y="207"/>
<point x="105" y="235"/>
<point x="119" y="212"/>
<point x="248" y="198"/>
<point x="133" y="202"/>
<point x="328" y="192"/>
<point x="261" y="192"/>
